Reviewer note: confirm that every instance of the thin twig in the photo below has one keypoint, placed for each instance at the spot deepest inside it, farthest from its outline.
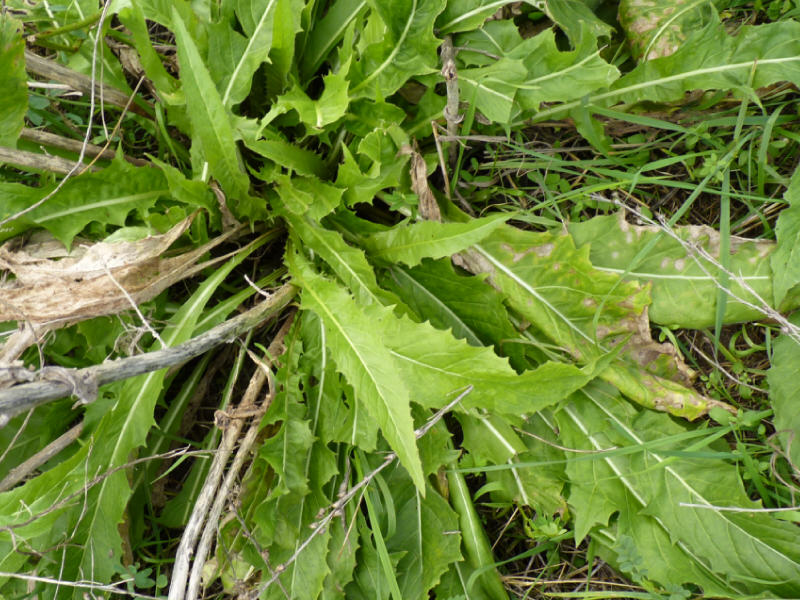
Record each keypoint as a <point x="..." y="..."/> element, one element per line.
<point x="212" y="522"/>
<point x="21" y="471"/>
<point x="58" y="382"/>
<point x="212" y="497"/>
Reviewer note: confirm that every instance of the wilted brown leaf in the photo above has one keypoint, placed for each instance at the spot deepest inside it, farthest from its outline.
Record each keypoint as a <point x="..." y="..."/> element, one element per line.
<point x="86" y="282"/>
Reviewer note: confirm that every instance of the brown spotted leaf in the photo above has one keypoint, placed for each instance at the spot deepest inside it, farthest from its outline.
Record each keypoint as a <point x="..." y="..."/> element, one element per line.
<point x="589" y="313"/>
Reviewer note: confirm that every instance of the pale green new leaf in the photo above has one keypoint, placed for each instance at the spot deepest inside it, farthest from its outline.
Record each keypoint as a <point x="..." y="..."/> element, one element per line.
<point x="684" y="290"/>
<point x="307" y="196"/>
<point x="363" y="358"/>
<point x="430" y="239"/>
<point x="13" y="80"/>
<point x="328" y="108"/>
<point x="211" y="125"/>
<point x="667" y="504"/>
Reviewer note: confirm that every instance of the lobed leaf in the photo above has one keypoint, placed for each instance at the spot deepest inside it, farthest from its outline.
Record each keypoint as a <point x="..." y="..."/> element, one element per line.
<point x="211" y="126"/>
<point x="669" y="506"/>
<point x="589" y="313"/>
<point x="430" y="239"/>
<point x="362" y="358"/>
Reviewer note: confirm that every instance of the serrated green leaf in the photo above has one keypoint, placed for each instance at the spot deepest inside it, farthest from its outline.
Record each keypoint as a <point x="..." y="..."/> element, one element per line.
<point x="235" y="57"/>
<point x="436" y="367"/>
<point x="132" y="16"/>
<point x="757" y="56"/>
<point x="551" y="75"/>
<point x="683" y="291"/>
<point x="403" y="46"/>
<point x="473" y="310"/>
<point x="430" y="239"/>
<point x="307" y="196"/>
<point x="348" y="262"/>
<point x="657" y="498"/>
<point x="290" y="156"/>
<point x="362" y="358"/>
<point x="106" y="197"/>
<point x="13" y="80"/>
<point x="211" y="126"/>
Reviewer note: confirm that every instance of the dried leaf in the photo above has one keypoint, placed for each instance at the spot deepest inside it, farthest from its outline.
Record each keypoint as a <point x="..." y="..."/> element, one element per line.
<point x="86" y="282"/>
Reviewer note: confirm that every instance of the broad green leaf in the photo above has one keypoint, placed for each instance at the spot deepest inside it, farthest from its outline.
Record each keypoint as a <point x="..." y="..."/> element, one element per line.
<point x="430" y="239"/>
<point x="555" y="287"/>
<point x="494" y="88"/>
<point x="426" y="536"/>
<point x="466" y="15"/>
<point x="211" y="126"/>
<point x="684" y="289"/>
<point x="667" y="504"/>
<point x="784" y="391"/>
<point x="234" y="57"/>
<point x="348" y="262"/>
<point x="105" y="197"/>
<point x="288" y="155"/>
<point x="13" y="80"/>
<point x="307" y="196"/>
<point x="328" y="31"/>
<point x="362" y="358"/>
<point x="403" y="45"/>
<point x="657" y="28"/>
<point x="785" y="261"/>
<point x="577" y="19"/>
